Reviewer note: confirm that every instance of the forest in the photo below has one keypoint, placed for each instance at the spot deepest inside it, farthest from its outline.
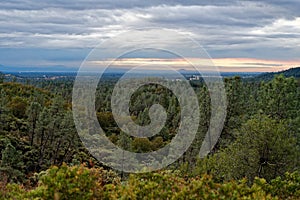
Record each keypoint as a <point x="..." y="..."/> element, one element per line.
<point x="256" y="157"/>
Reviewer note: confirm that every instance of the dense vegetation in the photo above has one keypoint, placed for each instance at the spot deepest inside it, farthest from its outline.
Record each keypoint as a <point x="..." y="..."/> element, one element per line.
<point x="79" y="182"/>
<point x="292" y="72"/>
<point x="257" y="156"/>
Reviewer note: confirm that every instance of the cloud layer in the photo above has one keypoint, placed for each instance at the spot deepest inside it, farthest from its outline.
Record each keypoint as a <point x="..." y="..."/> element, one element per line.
<point x="253" y="29"/>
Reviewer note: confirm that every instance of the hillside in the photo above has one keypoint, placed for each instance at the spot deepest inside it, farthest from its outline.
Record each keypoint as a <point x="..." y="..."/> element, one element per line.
<point x="295" y="72"/>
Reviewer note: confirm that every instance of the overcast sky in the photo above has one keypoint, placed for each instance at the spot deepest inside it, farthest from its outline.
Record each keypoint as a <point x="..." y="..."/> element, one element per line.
<point x="256" y="34"/>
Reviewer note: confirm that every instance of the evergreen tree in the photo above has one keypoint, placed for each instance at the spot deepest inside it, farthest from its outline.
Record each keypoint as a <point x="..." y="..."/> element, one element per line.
<point x="11" y="164"/>
<point x="264" y="147"/>
<point x="33" y="112"/>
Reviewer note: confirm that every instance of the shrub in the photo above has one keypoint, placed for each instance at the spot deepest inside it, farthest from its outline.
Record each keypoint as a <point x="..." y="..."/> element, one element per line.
<point x="287" y="187"/>
<point x="77" y="182"/>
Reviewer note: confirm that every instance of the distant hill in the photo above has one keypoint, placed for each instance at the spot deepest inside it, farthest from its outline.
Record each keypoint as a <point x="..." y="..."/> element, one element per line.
<point x="295" y="72"/>
<point x="57" y="68"/>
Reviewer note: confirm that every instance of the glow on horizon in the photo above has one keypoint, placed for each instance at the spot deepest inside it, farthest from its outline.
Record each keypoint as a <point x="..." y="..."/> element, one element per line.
<point x="224" y="64"/>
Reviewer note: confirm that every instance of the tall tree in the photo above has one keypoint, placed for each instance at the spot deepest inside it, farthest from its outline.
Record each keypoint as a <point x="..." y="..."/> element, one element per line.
<point x="33" y="112"/>
<point x="264" y="147"/>
<point x="279" y="98"/>
<point x="11" y="164"/>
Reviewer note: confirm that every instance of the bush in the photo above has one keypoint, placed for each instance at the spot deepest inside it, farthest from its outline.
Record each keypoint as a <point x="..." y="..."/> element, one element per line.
<point x="170" y="186"/>
<point x="287" y="187"/>
<point x="13" y="191"/>
<point x="77" y="182"/>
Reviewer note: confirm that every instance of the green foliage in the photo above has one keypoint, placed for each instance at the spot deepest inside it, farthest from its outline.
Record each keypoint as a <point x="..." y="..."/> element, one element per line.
<point x="286" y="187"/>
<point x="33" y="112"/>
<point x="260" y="139"/>
<point x="264" y="147"/>
<point x="167" y="185"/>
<point x="18" y="106"/>
<point x="11" y="164"/>
<point x="293" y="72"/>
<point x="12" y="192"/>
<point x="279" y="98"/>
<point x="140" y="145"/>
<point x="67" y="183"/>
<point x="77" y="182"/>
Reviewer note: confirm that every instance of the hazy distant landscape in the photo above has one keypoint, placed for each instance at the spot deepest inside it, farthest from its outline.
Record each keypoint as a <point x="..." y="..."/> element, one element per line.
<point x="149" y="99"/>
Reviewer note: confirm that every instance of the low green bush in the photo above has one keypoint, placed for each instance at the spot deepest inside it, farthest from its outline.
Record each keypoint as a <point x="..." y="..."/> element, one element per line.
<point x="79" y="182"/>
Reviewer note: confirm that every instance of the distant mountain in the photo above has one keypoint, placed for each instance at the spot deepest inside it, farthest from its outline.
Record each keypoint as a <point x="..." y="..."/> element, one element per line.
<point x="49" y="69"/>
<point x="57" y="68"/>
<point x="295" y="72"/>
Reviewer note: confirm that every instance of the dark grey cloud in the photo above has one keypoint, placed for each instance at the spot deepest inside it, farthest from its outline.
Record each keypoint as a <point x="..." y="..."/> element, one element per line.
<point x="230" y="28"/>
<point x="102" y="4"/>
<point x="263" y="64"/>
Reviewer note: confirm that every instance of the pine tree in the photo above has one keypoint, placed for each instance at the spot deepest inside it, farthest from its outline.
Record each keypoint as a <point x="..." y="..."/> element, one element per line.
<point x="33" y="113"/>
<point x="11" y="164"/>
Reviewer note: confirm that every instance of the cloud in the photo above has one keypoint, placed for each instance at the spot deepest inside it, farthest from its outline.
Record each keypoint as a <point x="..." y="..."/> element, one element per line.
<point x="224" y="64"/>
<point x="102" y="4"/>
<point x="259" y="29"/>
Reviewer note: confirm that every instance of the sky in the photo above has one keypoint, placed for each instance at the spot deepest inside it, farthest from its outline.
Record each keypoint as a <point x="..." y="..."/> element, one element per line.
<point x="238" y="35"/>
